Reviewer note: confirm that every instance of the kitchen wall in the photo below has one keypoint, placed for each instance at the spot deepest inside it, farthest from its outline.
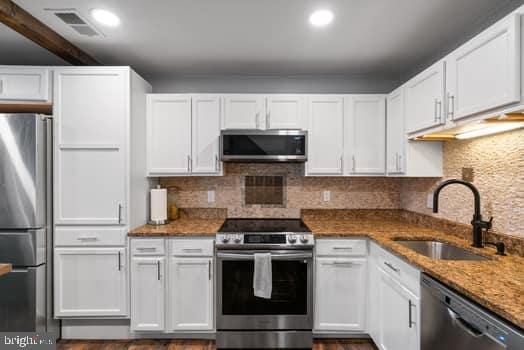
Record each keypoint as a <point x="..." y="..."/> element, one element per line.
<point x="322" y="84"/>
<point x="498" y="164"/>
<point x="301" y="192"/>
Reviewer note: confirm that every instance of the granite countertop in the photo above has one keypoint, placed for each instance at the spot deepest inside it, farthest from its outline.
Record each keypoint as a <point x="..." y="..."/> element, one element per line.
<point x="180" y="227"/>
<point x="5" y="269"/>
<point x="497" y="284"/>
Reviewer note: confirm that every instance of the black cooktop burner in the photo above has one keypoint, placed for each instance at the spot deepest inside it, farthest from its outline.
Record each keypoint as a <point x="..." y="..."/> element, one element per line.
<point x="264" y="226"/>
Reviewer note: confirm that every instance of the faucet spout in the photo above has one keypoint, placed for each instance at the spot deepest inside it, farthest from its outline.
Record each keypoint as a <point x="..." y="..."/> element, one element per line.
<point x="477" y="222"/>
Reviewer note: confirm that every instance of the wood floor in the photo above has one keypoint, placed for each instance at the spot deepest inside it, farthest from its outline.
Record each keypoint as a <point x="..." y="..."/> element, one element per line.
<point x="334" y="344"/>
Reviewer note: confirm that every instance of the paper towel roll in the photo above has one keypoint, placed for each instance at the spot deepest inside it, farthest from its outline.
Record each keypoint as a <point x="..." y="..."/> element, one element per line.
<point x="158" y="204"/>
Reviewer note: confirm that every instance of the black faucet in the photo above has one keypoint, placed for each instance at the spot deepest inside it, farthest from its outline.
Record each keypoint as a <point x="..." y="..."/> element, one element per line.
<point x="477" y="222"/>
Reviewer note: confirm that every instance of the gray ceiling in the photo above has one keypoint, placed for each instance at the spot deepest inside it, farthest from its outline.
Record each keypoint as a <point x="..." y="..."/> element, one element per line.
<point x="266" y="37"/>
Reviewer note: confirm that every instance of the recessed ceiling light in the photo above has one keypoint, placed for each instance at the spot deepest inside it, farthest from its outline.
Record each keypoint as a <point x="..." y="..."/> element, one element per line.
<point x="321" y="18"/>
<point x="105" y="17"/>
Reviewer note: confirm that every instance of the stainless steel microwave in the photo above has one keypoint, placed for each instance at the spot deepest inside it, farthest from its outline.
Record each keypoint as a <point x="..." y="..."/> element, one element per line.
<point x="263" y="146"/>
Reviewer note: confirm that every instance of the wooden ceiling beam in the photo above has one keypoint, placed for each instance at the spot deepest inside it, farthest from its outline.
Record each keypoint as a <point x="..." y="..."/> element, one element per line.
<point x="24" y="23"/>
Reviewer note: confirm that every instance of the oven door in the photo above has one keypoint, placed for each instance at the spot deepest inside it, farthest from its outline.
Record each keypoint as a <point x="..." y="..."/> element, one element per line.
<point x="290" y="306"/>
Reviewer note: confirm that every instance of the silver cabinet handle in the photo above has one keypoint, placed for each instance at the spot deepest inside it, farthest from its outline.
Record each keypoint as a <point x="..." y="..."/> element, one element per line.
<point x="192" y="249"/>
<point x="119" y="262"/>
<point x="119" y="213"/>
<point x="396" y="161"/>
<point x="391" y="266"/>
<point x="399" y="163"/>
<point x="410" y="319"/>
<point x="451" y="106"/>
<point x="257" y="119"/>
<point x="216" y="163"/>
<point x="209" y="269"/>
<point x="268" y="126"/>
<point x="146" y="249"/>
<point x="158" y="269"/>
<point x="342" y="164"/>
<point x="354" y="166"/>
<point x="188" y="163"/>
<point x="88" y="239"/>
<point x="342" y="263"/>
<point x="435" y="111"/>
<point x="439" y="114"/>
<point x="1" y="86"/>
<point x="342" y="248"/>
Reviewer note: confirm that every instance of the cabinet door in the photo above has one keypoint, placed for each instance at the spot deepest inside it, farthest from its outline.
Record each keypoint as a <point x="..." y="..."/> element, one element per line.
<point x="484" y="73"/>
<point x="191" y="293"/>
<point x="90" y="119"/>
<point x="395" y="134"/>
<point x="90" y="282"/>
<point x="206" y="134"/>
<point x="24" y="83"/>
<point x="168" y="135"/>
<point x="147" y="293"/>
<point x="285" y="112"/>
<point x="366" y="134"/>
<point x="340" y="294"/>
<point x="425" y="99"/>
<point x="243" y="112"/>
<point x="326" y="135"/>
<point x="398" y="315"/>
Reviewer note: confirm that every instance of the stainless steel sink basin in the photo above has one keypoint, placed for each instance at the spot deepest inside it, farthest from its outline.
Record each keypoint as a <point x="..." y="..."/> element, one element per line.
<point x="440" y="250"/>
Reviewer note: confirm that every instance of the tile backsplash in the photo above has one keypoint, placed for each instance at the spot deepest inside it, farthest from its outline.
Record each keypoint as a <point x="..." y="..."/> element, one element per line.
<point x="300" y="192"/>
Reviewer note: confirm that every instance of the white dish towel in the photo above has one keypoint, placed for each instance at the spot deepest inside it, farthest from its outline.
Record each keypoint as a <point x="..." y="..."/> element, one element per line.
<point x="263" y="278"/>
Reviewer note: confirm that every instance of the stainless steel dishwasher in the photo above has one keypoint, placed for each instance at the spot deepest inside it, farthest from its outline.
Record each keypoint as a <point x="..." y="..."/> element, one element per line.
<point x="449" y="321"/>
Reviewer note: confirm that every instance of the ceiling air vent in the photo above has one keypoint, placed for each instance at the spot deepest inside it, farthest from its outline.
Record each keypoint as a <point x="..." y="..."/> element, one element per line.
<point x="75" y="21"/>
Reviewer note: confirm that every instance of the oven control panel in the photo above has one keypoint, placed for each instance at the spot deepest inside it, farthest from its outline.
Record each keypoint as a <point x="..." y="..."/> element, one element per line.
<point x="265" y="239"/>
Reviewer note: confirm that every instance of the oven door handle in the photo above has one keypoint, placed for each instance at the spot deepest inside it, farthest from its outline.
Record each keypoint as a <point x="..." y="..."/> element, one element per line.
<point x="276" y="256"/>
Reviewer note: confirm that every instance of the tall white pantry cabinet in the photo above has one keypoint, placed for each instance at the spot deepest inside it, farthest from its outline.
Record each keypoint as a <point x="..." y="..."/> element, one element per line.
<point x="100" y="187"/>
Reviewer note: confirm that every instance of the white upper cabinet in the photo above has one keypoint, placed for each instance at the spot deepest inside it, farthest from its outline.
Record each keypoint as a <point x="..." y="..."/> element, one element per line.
<point x="484" y="73"/>
<point x="340" y="294"/>
<point x="168" y="134"/>
<point x="90" y="119"/>
<point x="285" y="112"/>
<point x="90" y="282"/>
<point x="396" y="136"/>
<point x="365" y="138"/>
<point x="205" y="134"/>
<point x="326" y="135"/>
<point x="425" y="99"/>
<point x="24" y="83"/>
<point x="243" y="111"/>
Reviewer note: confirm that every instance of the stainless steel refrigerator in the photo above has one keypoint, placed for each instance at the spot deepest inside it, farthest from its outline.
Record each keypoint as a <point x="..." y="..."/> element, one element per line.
<point x="26" y="223"/>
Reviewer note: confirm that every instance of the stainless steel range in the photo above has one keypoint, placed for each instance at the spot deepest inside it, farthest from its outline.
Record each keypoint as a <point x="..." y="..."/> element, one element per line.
<point x="283" y="321"/>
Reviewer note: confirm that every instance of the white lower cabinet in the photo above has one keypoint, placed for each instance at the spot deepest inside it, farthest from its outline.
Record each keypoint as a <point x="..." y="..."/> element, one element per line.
<point x="191" y="294"/>
<point x="148" y="293"/>
<point x="340" y="286"/>
<point x="172" y="290"/>
<point x="90" y="282"/>
<point x="394" y="302"/>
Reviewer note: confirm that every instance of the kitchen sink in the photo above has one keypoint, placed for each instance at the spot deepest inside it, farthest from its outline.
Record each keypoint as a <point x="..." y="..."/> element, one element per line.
<point x="440" y="250"/>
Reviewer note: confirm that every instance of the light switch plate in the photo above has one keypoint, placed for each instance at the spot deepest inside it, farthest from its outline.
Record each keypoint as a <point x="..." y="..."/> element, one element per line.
<point x="429" y="201"/>
<point x="211" y="196"/>
<point x="326" y="196"/>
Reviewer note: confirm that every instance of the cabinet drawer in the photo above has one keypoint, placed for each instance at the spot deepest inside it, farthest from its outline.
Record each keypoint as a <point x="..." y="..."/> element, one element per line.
<point x="67" y="237"/>
<point x="147" y="246"/>
<point x="398" y="269"/>
<point x="341" y="247"/>
<point x="192" y="247"/>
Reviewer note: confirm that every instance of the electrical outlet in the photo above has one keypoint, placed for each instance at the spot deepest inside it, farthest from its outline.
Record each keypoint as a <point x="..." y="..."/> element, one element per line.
<point x="211" y="196"/>
<point x="326" y="196"/>
<point x="429" y="201"/>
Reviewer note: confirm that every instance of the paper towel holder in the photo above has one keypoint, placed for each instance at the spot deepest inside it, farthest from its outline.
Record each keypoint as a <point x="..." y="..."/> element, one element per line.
<point x="157" y="222"/>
